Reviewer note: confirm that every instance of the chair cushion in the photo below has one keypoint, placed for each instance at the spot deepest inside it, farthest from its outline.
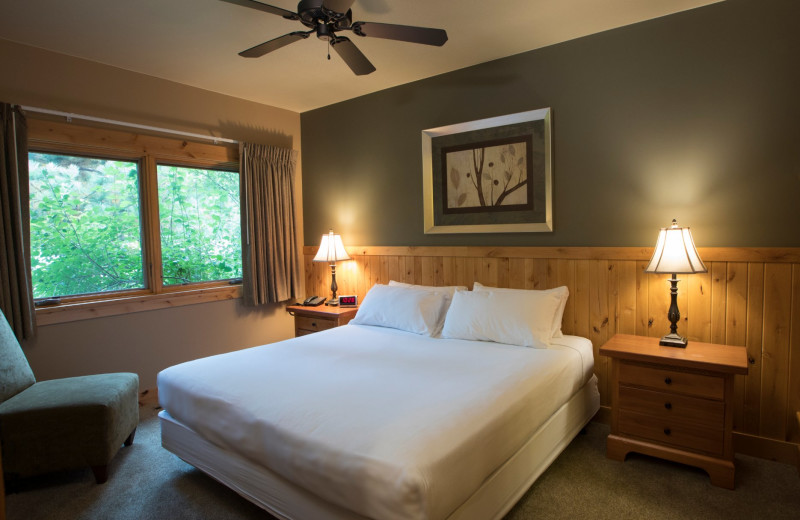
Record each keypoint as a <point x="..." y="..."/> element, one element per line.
<point x="66" y="423"/>
<point x="15" y="372"/>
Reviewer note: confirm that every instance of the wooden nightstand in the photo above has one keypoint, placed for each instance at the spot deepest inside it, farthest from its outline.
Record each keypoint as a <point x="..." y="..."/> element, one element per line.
<point x="308" y="320"/>
<point x="674" y="403"/>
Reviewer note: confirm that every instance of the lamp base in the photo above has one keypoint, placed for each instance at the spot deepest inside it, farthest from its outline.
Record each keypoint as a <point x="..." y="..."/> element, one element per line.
<point x="333" y="302"/>
<point x="673" y="340"/>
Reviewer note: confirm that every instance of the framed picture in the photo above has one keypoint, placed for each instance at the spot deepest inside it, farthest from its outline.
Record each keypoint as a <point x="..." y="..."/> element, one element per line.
<point x="489" y="176"/>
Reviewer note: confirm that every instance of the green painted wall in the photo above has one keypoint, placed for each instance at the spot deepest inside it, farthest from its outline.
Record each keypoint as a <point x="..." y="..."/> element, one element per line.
<point x="694" y="116"/>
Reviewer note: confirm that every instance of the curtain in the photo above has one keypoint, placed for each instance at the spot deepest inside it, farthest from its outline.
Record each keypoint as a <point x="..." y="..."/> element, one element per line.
<point x="270" y="254"/>
<point x="16" y="293"/>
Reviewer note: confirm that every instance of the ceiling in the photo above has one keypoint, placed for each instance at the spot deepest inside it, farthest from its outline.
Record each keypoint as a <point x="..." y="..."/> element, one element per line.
<point x="195" y="42"/>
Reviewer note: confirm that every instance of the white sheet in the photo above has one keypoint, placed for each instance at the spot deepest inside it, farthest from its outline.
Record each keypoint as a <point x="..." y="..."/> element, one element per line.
<point x="381" y="422"/>
<point x="582" y="346"/>
<point x="491" y="501"/>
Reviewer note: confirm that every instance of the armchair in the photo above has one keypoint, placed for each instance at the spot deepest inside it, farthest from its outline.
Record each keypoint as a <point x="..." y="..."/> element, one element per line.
<point x="62" y="423"/>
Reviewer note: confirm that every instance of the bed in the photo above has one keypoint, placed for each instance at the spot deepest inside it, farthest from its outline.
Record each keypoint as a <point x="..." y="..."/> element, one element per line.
<point x="371" y="421"/>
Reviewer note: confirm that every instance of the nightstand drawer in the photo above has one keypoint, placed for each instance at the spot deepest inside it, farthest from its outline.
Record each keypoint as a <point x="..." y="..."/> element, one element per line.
<point x="668" y="406"/>
<point x="308" y="320"/>
<point x="304" y="323"/>
<point x="677" y="433"/>
<point x="671" y="380"/>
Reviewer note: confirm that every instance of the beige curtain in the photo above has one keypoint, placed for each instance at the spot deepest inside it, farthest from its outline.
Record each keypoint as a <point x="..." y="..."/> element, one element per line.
<point x="16" y="294"/>
<point x="270" y="257"/>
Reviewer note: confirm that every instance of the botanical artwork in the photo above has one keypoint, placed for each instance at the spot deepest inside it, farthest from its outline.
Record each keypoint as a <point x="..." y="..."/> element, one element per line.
<point x="489" y="178"/>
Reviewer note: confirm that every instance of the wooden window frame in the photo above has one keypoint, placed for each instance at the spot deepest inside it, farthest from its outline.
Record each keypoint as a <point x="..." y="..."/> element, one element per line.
<point x="48" y="136"/>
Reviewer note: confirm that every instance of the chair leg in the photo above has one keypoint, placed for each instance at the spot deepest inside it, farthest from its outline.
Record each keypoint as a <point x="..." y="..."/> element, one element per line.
<point x="100" y="473"/>
<point x="129" y="440"/>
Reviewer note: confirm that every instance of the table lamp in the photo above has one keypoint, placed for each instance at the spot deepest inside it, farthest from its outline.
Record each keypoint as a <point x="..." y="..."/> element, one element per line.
<point x="675" y="254"/>
<point x="332" y="250"/>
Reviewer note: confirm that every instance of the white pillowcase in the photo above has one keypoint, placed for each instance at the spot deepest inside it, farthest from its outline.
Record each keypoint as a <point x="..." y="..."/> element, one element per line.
<point x="449" y="290"/>
<point x="510" y="317"/>
<point x="413" y="310"/>
<point x="562" y="292"/>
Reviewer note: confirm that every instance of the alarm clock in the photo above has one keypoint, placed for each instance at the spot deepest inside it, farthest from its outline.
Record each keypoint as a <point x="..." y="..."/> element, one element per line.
<point x="348" y="301"/>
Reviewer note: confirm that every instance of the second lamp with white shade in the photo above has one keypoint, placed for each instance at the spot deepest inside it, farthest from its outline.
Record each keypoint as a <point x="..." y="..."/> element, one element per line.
<point x="675" y="254"/>
<point x="331" y="250"/>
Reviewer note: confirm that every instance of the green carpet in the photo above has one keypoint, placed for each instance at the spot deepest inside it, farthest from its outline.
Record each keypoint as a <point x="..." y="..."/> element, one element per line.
<point x="147" y="482"/>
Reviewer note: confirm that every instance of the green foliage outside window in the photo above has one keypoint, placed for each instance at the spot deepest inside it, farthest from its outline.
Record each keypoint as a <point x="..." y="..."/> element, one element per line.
<point x="85" y="234"/>
<point x="86" y="231"/>
<point x="200" y="224"/>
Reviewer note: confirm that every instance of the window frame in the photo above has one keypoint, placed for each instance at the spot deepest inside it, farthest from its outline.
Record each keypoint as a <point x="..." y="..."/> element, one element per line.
<point x="160" y="256"/>
<point x="54" y="137"/>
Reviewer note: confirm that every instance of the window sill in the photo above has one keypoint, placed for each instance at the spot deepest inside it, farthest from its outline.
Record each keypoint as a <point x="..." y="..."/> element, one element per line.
<point x="85" y="310"/>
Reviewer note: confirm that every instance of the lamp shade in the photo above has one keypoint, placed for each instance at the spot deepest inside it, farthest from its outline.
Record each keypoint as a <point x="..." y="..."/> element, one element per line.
<point x="331" y="249"/>
<point x="675" y="252"/>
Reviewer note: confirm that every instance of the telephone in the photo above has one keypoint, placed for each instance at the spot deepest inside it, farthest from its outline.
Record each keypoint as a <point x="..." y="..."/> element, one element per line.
<point x="314" y="301"/>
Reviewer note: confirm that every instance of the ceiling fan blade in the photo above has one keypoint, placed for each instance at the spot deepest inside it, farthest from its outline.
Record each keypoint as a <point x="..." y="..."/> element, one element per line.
<point x="265" y="7"/>
<point x="404" y="33"/>
<point x="354" y="58"/>
<point x="272" y="45"/>
<point x="338" y="6"/>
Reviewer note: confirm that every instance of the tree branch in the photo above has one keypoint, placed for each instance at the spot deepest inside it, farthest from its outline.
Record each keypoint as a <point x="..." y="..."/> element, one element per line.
<point x="75" y="233"/>
<point x="509" y="191"/>
<point x="478" y="173"/>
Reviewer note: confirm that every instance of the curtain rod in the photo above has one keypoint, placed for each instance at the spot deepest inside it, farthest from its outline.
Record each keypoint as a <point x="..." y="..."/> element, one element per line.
<point x="70" y="116"/>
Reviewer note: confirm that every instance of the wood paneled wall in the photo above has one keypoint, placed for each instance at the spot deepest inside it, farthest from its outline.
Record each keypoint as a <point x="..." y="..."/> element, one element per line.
<point x="749" y="297"/>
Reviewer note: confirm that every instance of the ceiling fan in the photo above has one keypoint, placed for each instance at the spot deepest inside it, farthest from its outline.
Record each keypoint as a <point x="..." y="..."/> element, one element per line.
<point x="328" y="17"/>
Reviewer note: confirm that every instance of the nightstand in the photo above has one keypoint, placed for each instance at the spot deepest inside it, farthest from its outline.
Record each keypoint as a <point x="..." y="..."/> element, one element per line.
<point x="308" y="320"/>
<point x="674" y="403"/>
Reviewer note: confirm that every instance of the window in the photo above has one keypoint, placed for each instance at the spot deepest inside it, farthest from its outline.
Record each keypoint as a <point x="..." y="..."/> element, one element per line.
<point x="201" y="237"/>
<point x="122" y="222"/>
<point x="85" y="232"/>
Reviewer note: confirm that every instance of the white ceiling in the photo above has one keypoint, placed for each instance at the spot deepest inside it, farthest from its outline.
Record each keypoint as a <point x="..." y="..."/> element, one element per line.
<point x="195" y="42"/>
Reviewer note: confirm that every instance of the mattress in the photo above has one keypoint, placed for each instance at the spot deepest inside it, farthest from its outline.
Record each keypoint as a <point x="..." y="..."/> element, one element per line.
<point x="380" y="422"/>
<point x="491" y="501"/>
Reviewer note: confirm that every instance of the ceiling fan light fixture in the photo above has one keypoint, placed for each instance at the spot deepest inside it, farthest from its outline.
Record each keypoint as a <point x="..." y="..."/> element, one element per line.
<point x="326" y="18"/>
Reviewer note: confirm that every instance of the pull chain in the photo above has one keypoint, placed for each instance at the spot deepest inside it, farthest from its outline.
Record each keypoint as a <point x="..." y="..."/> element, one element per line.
<point x="329" y="49"/>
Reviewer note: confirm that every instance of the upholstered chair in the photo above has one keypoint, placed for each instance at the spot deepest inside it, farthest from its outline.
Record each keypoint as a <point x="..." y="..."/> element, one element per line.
<point x="61" y="424"/>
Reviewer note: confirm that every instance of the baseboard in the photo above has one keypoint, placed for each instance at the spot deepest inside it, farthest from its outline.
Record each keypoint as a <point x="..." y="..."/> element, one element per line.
<point x="603" y="415"/>
<point x="148" y="403"/>
<point x="744" y="443"/>
<point x="798" y="446"/>
<point x="770" y="449"/>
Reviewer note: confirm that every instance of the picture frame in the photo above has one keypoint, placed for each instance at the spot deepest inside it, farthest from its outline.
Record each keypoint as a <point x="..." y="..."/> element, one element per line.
<point x="508" y="156"/>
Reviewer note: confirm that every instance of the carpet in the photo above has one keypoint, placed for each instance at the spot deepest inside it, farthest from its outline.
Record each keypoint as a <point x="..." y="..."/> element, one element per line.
<point x="148" y="482"/>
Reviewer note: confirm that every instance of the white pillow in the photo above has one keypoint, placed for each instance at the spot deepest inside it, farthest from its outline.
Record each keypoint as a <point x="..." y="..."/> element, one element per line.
<point x="412" y="310"/>
<point x="562" y="292"/>
<point x="449" y="290"/>
<point x="510" y="317"/>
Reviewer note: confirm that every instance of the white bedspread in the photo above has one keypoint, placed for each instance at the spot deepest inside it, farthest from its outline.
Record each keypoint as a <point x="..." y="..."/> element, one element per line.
<point x="385" y="423"/>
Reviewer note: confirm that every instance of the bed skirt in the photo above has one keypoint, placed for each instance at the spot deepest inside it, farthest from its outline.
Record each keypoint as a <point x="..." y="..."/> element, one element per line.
<point x="285" y="500"/>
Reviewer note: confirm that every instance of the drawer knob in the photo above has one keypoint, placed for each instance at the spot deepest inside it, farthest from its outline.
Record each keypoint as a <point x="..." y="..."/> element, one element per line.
<point x="667" y="431"/>
<point x="313" y="323"/>
<point x="668" y="380"/>
<point x="668" y="405"/>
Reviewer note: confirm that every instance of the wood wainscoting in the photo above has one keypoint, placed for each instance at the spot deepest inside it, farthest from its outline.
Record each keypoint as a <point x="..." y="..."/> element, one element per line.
<point x="749" y="297"/>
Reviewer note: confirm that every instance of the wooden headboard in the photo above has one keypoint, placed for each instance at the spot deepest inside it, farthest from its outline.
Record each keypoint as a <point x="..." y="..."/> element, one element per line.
<point x="749" y="297"/>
